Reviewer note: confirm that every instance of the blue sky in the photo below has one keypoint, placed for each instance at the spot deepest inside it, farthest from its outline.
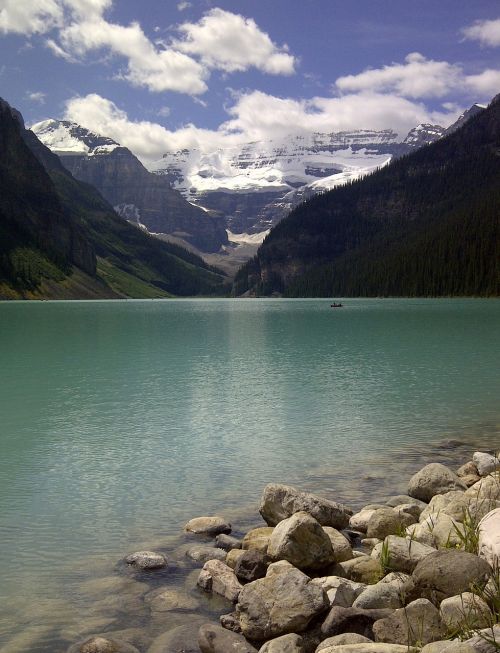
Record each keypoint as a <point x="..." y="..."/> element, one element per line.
<point x="171" y="74"/>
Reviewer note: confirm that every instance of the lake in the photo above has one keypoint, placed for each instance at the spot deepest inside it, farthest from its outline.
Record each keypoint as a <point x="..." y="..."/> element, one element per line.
<point x="122" y="420"/>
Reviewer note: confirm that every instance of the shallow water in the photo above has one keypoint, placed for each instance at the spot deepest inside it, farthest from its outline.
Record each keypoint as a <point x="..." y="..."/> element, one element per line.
<point x="122" y="420"/>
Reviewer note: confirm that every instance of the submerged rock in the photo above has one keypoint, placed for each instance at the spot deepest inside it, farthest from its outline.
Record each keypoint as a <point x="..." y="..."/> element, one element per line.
<point x="204" y="552"/>
<point x="99" y="644"/>
<point x="282" y="501"/>
<point x="215" y="639"/>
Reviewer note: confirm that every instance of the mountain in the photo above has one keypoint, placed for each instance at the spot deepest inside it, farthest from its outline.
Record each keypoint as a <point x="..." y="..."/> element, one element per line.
<point x="427" y="224"/>
<point x="137" y="195"/>
<point x="464" y="117"/>
<point x="59" y="238"/>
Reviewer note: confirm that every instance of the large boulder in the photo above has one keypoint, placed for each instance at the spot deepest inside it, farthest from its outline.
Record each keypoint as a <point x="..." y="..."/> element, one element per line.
<point x="447" y="573"/>
<point x="217" y="577"/>
<point x="387" y="521"/>
<point x="489" y="538"/>
<point x="433" y="479"/>
<point x="401" y="553"/>
<point x="258" y="538"/>
<point x="301" y="540"/>
<point x="215" y="639"/>
<point x="279" y="604"/>
<point x="282" y="501"/>
<point x="465" y="609"/>
<point x="418" y="623"/>
<point x="485" y="463"/>
<point x="291" y="643"/>
<point x="352" y="620"/>
<point x="212" y="525"/>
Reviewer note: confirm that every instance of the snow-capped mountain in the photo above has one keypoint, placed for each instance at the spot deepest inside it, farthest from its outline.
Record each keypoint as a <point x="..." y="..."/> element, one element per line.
<point x="466" y="115"/>
<point x="64" y="137"/>
<point x="423" y="135"/>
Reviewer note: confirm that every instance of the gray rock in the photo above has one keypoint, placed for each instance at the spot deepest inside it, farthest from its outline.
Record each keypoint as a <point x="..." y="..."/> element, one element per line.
<point x="359" y="521"/>
<point x="405" y="498"/>
<point x="204" y="552"/>
<point x="489" y="538"/>
<point x="440" y="502"/>
<point x="279" y="604"/>
<point x="340" y="591"/>
<point x="371" y="648"/>
<point x="370" y="542"/>
<point x="208" y="525"/>
<point x="468" y="472"/>
<point x="166" y="599"/>
<point x="217" y="577"/>
<point x="433" y="479"/>
<point x="486" y="641"/>
<point x="258" y="538"/>
<point x="470" y="508"/>
<point x="441" y="529"/>
<point x="352" y="620"/>
<point x="418" y="623"/>
<point x="410" y="509"/>
<point x="250" y="566"/>
<point x="146" y="560"/>
<point x="230" y="622"/>
<point x="466" y="608"/>
<point x="291" y="643"/>
<point x="447" y="646"/>
<point x="215" y="639"/>
<point x="362" y="570"/>
<point x="280" y="567"/>
<point x="380" y="595"/>
<point x="301" y="540"/>
<point x="227" y="542"/>
<point x="447" y="573"/>
<point x="100" y="644"/>
<point x="282" y="501"/>
<point x="233" y="556"/>
<point x="485" y="463"/>
<point x="487" y="488"/>
<point x="340" y="640"/>
<point x="403" y="554"/>
<point x="341" y="546"/>
<point x="387" y="521"/>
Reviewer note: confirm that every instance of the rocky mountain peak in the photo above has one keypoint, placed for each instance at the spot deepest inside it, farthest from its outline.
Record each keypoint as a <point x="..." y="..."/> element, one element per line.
<point x="65" y="137"/>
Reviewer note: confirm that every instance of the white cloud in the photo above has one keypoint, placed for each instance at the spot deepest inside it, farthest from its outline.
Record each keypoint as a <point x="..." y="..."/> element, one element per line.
<point x="164" y="112"/>
<point x="418" y="77"/>
<point x="181" y="6"/>
<point x="231" y="42"/>
<point x="487" y="32"/>
<point x="147" y="65"/>
<point x="486" y="83"/>
<point x="36" y="96"/>
<point x="29" y="16"/>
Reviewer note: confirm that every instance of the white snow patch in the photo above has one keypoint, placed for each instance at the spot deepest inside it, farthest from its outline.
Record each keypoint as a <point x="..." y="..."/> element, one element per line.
<point x="247" y="239"/>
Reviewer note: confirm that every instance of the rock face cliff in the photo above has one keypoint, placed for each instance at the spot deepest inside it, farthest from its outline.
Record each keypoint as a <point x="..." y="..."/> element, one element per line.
<point x="140" y="197"/>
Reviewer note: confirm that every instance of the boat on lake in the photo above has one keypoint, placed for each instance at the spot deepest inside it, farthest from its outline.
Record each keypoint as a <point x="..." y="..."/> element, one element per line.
<point x="335" y="305"/>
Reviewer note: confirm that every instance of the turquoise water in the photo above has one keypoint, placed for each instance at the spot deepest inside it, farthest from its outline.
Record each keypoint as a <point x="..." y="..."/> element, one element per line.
<point x="122" y="420"/>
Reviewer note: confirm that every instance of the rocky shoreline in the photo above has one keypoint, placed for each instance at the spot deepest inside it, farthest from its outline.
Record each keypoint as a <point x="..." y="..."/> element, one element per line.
<point x="418" y="573"/>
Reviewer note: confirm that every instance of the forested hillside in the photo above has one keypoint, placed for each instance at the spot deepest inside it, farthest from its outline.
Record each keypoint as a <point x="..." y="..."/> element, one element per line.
<point x="426" y="225"/>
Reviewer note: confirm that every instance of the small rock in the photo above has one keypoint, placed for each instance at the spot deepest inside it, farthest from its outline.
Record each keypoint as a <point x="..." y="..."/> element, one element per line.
<point x="405" y="498"/>
<point x="99" y="644"/>
<point x="279" y="604"/>
<point x="446" y="573"/>
<point x="485" y="463"/>
<point x="219" y="578"/>
<point x="487" y="488"/>
<point x="215" y="639"/>
<point x="386" y="521"/>
<point x="280" y="567"/>
<point x="204" y="552"/>
<point x="402" y="554"/>
<point x="352" y="620"/>
<point x="363" y="570"/>
<point x="227" y="542"/>
<point x="370" y="542"/>
<point x="466" y="608"/>
<point x="208" y="525"/>
<point x="282" y="501"/>
<point x="258" y="538"/>
<point x="301" y="540"/>
<point x="340" y="591"/>
<point x="447" y="646"/>
<point x="489" y="538"/>
<point x="419" y="622"/>
<point x="486" y="641"/>
<point x="409" y="509"/>
<point x="468" y="471"/>
<point x="360" y="520"/>
<point x="146" y="560"/>
<point x="230" y="622"/>
<point x="233" y="556"/>
<point x="250" y="566"/>
<point x="440" y="502"/>
<point x="433" y="479"/>
<point x="341" y="546"/>
<point x="291" y="643"/>
<point x="380" y="595"/>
